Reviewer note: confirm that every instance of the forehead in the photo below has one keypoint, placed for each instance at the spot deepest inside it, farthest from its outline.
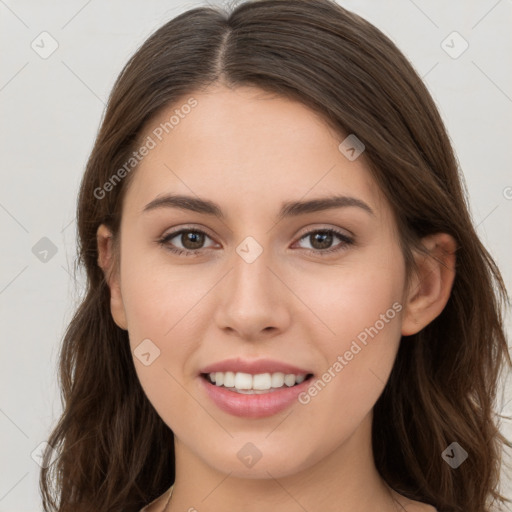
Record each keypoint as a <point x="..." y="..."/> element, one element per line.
<point x="245" y="146"/>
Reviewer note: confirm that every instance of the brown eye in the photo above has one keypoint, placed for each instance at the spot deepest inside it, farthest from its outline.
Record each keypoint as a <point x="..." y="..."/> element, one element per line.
<point x="192" y="241"/>
<point x="322" y="239"/>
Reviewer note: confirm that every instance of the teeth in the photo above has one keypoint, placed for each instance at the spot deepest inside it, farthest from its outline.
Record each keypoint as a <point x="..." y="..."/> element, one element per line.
<point x="243" y="380"/>
<point x="229" y="379"/>
<point x="277" y="380"/>
<point x="260" y="382"/>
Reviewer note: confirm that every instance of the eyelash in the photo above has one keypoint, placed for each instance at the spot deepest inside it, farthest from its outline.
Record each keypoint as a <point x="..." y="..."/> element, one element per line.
<point x="347" y="241"/>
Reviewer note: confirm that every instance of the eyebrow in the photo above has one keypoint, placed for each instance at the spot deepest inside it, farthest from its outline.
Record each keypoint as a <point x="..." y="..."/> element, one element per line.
<point x="288" y="209"/>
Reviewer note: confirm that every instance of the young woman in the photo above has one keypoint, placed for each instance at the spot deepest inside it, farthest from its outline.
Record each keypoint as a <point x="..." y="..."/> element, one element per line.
<point x="288" y="307"/>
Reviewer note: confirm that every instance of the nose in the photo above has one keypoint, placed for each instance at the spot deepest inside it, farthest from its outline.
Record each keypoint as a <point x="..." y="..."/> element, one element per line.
<point x="253" y="299"/>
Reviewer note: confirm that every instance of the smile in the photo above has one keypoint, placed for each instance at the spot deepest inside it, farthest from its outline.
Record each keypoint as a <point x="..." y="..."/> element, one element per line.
<point x="240" y="382"/>
<point x="243" y="397"/>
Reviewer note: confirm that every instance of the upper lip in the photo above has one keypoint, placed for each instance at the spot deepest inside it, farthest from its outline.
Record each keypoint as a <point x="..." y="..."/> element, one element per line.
<point x="253" y="366"/>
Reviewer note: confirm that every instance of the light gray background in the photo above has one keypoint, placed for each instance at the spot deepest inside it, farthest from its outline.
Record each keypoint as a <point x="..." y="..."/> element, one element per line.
<point x="51" y="109"/>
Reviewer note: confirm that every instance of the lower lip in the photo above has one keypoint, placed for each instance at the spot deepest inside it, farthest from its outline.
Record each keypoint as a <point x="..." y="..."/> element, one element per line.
<point x="253" y="406"/>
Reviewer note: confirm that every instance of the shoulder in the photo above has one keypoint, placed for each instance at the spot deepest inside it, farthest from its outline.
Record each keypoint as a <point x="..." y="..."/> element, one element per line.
<point x="159" y="504"/>
<point x="418" y="506"/>
<point x="412" y="505"/>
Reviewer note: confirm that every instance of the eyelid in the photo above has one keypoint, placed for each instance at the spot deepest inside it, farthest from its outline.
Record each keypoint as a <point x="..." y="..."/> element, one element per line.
<point x="346" y="240"/>
<point x="174" y="232"/>
<point x="199" y="227"/>
<point x="326" y="227"/>
<point x="187" y="227"/>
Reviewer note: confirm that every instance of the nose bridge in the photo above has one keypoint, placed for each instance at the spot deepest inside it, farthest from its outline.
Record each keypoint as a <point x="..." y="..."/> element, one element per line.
<point x="251" y="274"/>
<point x="252" y="297"/>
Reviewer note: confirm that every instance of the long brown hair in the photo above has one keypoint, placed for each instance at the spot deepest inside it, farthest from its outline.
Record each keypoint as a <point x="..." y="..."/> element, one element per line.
<point x="115" y="452"/>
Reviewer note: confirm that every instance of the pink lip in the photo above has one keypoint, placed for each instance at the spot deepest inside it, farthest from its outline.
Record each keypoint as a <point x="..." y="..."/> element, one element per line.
<point x="254" y="406"/>
<point x="253" y="367"/>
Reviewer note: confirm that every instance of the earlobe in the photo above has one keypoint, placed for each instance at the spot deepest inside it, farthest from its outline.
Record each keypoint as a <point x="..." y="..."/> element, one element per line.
<point x="432" y="285"/>
<point x="107" y="262"/>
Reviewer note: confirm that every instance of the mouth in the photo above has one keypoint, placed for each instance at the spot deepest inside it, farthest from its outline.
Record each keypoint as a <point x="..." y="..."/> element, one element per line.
<point x="254" y="395"/>
<point x="255" y="384"/>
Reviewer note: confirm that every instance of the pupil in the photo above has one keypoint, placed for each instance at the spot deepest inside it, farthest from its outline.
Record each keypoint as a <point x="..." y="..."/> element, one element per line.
<point x="327" y="239"/>
<point x="196" y="239"/>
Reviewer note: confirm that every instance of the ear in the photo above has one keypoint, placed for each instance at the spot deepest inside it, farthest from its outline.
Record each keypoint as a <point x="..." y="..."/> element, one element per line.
<point x="431" y="287"/>
<point x="106" y="260"/>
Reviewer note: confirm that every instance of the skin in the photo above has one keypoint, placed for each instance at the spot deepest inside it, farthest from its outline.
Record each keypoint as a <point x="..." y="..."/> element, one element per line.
<point x="249" y="151"/>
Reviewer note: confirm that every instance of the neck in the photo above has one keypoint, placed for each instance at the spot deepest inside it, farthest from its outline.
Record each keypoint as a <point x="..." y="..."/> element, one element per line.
<point x="345" y="479"/>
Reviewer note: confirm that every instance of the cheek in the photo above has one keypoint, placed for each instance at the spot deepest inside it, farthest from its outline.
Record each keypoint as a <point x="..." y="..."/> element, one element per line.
<point x="159" y="301"/>
<point x="357" y="367"/>
<point x="352" y="296"/>
<point x="362" y="308"/>
<point x="157" y="295"/>
<point x="160" y="314"/>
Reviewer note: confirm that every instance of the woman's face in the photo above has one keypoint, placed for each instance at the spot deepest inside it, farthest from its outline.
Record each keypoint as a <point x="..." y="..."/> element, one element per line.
<point x="256" y="287"/>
